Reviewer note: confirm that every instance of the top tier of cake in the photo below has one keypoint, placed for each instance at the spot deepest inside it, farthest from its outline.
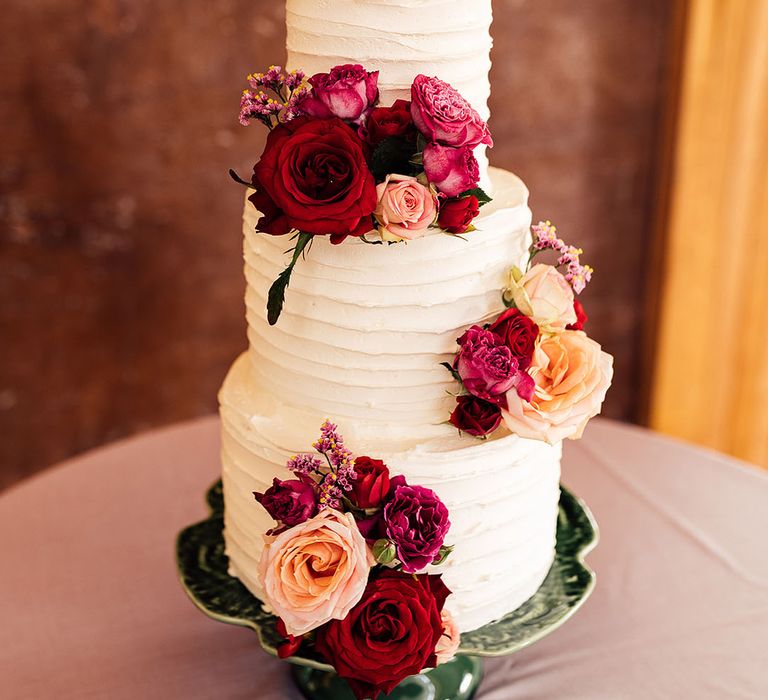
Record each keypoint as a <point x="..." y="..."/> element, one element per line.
<point x="449" y="39"/>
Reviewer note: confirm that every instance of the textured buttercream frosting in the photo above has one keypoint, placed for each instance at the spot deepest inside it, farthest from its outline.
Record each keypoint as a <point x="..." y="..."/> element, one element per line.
<point x="360" y="340"/>
<point x="449" y="39"/>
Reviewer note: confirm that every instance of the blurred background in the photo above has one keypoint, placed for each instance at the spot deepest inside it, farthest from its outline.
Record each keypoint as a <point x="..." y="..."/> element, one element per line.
<point x="639" y="127"/>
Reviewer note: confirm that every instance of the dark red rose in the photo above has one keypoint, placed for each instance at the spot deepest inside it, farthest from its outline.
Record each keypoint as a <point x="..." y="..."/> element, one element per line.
<point x="384" y="122"/>
<point x="291" y="644"/>
<point x="389" y="635"/>
<point x="313" y="177"/>
<point x="581" y="317"/>
<point x="456" y="215"/>
<point x="475" y="416"/>
<point x="290" y="502"/>
<point x="519" y="334"/>
<point x="371" y="484"/>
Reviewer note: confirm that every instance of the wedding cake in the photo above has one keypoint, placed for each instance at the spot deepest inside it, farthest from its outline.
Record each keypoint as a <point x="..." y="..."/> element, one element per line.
<point x="368" y="333"/>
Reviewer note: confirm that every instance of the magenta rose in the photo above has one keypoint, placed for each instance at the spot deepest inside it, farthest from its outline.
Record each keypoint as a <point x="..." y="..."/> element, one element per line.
<point x="475" y="416"/>
<point x="416" y="520"/>
<point x="519" y="334"/>
<point x="290" y="502"/>
<point x="348" y="92"/>
<point x="487" y="367"/>
<point x="443" y="115"/>
<point x="451" y="170"/>
<point x="371" y="483"/>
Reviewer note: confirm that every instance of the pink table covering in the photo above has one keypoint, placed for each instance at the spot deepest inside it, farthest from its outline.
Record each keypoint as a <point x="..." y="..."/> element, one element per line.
<point x="90" y="606"/>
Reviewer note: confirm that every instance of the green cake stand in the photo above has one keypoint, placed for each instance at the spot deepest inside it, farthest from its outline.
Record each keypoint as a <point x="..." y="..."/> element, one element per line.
<point x="203" y="567"/>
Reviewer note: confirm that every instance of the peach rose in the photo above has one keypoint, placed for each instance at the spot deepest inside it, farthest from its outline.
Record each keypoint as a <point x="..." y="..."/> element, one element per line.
<point x="315" y="571"/>
<point x="571" y="375"/>
<point x="544" y="295"/>
<point x="449" y="643"/>
<point x="405" y="209"/>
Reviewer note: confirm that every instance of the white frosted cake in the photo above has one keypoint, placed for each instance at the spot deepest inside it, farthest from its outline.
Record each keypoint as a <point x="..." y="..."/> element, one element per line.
<point x="366" y="328"/>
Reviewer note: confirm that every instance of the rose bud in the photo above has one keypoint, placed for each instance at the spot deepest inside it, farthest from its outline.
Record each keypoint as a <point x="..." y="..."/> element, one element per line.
<point x="371" y="483"/>
<point x="384" y="122"/>
<point x="290" y="502"/>
<point x="451" y="170"/>
<point x="348" y="92"/>
<point x="456" y="215"/>
<point x="581" y="317"/>
<point x="475" y="416"/>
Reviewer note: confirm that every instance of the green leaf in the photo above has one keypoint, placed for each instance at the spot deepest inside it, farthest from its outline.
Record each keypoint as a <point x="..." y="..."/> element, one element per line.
<point x="276" y="296"/>
<point x="452" y="370"/>
<point x="384" y="551"/>
<point x="482" y="197"/>
<point x="392" y="155"/>
<point x="442" y="555"/>
<point x="238" y="179"/>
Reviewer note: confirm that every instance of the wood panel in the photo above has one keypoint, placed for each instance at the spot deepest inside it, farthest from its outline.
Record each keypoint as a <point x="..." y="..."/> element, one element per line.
<point x="710" y="383"/>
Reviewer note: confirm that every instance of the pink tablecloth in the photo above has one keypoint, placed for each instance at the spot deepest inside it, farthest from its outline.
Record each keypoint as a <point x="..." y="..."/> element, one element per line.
<point x="90" y="606"/>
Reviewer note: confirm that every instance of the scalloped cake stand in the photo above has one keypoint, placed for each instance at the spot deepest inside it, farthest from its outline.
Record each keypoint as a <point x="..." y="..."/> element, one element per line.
<point x="202" y="568"/>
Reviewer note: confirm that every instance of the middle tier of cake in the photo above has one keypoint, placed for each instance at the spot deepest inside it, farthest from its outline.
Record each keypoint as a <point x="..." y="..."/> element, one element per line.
<point x="365" y="328"/>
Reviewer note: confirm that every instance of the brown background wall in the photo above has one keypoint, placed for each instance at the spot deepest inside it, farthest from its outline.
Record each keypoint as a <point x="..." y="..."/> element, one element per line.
<point x="120" y="272"/>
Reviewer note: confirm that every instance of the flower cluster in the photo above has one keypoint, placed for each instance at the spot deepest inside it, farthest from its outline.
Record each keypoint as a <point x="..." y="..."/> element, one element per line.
<point x="533" y="368"/>
<point x="290" y="89"/>
<point x="545" y="238"/>
<point x="337" y="164"/>
<point x="344" y="567"/>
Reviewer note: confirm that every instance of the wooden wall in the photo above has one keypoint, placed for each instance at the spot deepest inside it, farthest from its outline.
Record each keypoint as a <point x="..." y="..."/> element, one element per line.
<point x="120" y="271"/>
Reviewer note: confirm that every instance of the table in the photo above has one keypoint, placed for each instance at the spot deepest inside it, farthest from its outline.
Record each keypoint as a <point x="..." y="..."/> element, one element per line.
<point x="91" y="607"/>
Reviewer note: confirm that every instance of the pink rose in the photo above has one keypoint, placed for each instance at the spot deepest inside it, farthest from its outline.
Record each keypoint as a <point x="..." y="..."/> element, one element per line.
<point x="443" y="115"/>
<point x="348" y="92"/>
<point x="544" y="295"/>
<point x="406" y="208"/>
<point x="448" y="644"/>
<point x="451" y="170"/>
<point x="572" y="375"/>
<point x="315" y="571"/>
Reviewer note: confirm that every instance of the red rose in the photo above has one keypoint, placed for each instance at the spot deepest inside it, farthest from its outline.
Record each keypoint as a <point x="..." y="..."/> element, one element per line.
<point x="384" y="122"/>
<point x="389" y="635"/>
<point x="291" y="644"/>
<point x="313" y="177"/>
<point x="371" y="484"/>
<point x="475" y="416"/>
<point x="519" y="334"/>
<point x="581" y="317"/>
<point x="457" y="214"/>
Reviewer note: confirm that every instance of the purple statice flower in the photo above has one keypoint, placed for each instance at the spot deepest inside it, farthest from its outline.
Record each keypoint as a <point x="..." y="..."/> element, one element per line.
<point x="288" y="90"/>
<point x="305" y="464"/>
<point x="578" y="276"/>
<point x="294" y="79"/>
<point x="341" y="460"/>
<point x="569" y="255"/>
<point x="416" y="521"/>
<point x="330" y="492"/>
<point x="545" y="237"/>
<point x="258" y="106"/>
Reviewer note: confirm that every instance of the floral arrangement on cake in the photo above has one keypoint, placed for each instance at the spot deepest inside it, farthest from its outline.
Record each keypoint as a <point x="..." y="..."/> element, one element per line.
<point x="344" y="567"/>
<point x="337" y="164"/>
<point x="533" y="368"/>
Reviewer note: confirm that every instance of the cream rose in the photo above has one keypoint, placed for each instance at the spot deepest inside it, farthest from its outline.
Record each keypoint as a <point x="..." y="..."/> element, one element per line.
<point x="406" y="208"/>
<point x="571" y="375"/>
<point x="544" y="295"/>
<point x="315" y="571"/>
<point x="448" y="643"/>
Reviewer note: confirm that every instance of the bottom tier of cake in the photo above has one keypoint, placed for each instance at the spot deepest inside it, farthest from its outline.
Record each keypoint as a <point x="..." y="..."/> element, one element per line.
<point x="502" y="495"/>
